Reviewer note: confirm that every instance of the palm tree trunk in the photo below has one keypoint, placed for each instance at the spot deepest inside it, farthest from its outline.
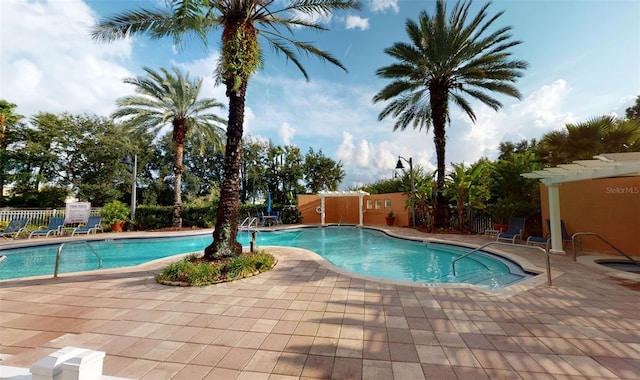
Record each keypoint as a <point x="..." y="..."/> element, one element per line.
<point x="178" y="168"/>
<point x="226" y="230"/>
<point x="439" y="104"/>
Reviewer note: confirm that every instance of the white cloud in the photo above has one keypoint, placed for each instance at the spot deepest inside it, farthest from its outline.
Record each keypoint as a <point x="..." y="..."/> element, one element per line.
<point x="538" y="113"/>
<point x="286" y="133"/>
<point x="49" y="62"/>
<point x="357" y="22"/>
<point x="317" y="18"/>
<point x="383" y="5"/>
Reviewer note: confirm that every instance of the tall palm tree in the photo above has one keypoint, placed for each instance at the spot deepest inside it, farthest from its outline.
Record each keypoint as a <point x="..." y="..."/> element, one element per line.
<point x="448" y="59"/>
<point x="164" y="98"/>
<point x="242" y="22"/>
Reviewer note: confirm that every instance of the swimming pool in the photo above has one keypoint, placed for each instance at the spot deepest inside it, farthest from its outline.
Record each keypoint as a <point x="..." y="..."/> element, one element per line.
<point x="360" y="250"/>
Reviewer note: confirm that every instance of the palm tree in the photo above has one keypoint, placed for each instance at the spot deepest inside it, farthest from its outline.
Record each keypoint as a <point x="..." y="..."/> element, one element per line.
<point x="463" y="186"/>
<point x="165" y="98"/>
<point x="242" y="22"/>
<point x="448" y="58"/>
<point x="582" y="141"/>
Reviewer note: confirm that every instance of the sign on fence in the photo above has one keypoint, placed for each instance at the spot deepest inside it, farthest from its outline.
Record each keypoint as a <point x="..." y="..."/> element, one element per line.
<point x="77" y="212"/>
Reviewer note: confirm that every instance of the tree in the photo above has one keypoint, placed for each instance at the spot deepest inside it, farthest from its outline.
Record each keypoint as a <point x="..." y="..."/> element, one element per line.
<point x="465" y="188"/>
<point x="582" y="141"/>
<point x="8" y="119"/>
<point x="251" y="170"/>
<point x="242" y="22"/>
<point x="507" y="147"/>
<point x="449" y="57"/>
<point x="633" y="112"/>
<point x="321" y="172"/>
<point x="90" y="154"/>
<point x="511" y="193"/>
<point x="164" y="98"/>
<point x="40" y="145"/>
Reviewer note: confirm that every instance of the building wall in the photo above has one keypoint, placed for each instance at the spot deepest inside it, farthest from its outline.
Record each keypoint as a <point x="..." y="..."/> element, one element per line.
<point x="344" y="209"/>
<point x="609" y="207"/>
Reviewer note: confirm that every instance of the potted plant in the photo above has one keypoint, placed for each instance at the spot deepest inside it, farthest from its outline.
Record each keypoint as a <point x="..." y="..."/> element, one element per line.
<point x="390" y="218"/>
<point x="115" y="214"/>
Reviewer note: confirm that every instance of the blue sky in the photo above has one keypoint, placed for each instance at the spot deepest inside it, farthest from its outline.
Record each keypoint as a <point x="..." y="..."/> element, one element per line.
<point x="584" y="58"/>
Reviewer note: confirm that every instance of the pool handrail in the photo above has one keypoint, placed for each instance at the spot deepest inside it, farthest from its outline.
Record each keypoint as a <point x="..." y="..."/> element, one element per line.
<point x="59" y="252"/>
<point x="546" y="253"/>
<point x="573" y="245"/>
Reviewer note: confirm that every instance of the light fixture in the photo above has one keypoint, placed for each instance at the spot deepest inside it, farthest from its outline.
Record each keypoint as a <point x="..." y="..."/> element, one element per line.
<point x="413" y="189"/>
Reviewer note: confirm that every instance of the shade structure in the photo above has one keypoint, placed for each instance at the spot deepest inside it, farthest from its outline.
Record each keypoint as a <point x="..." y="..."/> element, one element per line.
<point x="324" y="194"/>
<point x="602" y="166"/>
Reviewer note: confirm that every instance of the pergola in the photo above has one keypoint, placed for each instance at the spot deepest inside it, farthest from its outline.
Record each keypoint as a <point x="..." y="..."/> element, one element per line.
<point x="602" y="166"/>
<point x="325" y="194"/>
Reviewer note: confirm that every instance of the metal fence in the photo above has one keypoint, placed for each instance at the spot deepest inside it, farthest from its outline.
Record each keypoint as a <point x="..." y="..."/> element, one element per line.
<point x="37" y="217"/>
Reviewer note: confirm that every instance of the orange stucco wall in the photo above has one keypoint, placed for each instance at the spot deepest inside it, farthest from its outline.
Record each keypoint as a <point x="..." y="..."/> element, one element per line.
<point x="344" y="210"/>
<point x="609" y="207"/>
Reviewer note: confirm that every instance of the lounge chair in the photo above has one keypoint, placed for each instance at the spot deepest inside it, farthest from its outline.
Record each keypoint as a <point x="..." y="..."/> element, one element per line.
<point x="514" y="231"/>
<point x="53" y="229"/>
<point x="531" y="240"/>
<point x="14" y="228"/>
<point x="93" y="226"/>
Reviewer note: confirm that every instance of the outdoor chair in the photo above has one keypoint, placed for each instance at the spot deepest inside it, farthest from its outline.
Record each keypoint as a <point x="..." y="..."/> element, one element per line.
<point x="93" y="226"/>
<point x="53" y="229"/>
<point x="278" y="215"/>
<point x="14" y="228"/>
<point x="514" y="231"/>
<point x="531" y="240"/>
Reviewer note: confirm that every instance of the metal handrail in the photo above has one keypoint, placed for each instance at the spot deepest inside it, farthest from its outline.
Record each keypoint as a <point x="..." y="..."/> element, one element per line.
<point x="546" y="253"/>
<point x="573" y="245"/>
<point x="59" y="252"/>
<point x="248" y="222"/>
<point x="428" y="243"/>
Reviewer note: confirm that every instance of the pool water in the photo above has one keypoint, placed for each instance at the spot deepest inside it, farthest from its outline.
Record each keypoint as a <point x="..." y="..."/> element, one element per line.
<point x="360" y="250"/>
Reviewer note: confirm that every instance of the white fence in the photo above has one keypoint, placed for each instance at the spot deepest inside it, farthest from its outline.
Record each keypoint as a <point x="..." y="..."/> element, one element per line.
<point x="37" y="217"/>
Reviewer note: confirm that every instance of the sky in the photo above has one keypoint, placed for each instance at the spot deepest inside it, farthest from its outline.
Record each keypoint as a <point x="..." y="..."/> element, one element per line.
<point x="583" y="55"/>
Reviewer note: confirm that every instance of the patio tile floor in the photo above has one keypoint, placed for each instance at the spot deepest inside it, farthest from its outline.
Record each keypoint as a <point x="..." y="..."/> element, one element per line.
<point x="306" y="319"/>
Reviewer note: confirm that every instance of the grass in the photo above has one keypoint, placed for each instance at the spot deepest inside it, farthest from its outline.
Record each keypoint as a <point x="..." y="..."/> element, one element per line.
<point x="194" y="271"/>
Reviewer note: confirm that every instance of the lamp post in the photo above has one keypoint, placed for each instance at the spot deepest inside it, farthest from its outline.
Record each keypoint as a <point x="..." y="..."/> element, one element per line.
<point x="133" y="167"/>
<point x="413" y="188"/>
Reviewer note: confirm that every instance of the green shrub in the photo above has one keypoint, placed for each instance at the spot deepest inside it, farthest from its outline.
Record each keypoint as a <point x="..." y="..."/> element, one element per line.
<point x="240" y="266"/>
<point x="114" y="212"/>
<point x="291" y="215"/>
<point x="196" y="272"/>
<point x="198" y="216"/>
<point x="262" y="261"/>
<point x="153" y="217"/>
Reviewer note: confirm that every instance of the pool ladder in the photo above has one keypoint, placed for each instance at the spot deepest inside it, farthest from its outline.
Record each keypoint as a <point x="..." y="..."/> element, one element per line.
<point x="248" y="222"/>
<point x="546" y="253"/>
<point x="59" y="252"/>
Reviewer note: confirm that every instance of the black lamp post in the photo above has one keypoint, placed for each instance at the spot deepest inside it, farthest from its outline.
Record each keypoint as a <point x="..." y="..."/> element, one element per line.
<point x="413" y="189"/>
<point x="133" y="167"/>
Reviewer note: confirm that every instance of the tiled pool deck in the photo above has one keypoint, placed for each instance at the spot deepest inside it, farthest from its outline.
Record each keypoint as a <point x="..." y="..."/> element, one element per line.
<point x="306" y="320"/>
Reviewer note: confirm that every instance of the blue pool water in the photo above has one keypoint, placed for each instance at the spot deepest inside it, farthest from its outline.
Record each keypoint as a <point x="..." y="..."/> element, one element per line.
<point x="360" y="250"/>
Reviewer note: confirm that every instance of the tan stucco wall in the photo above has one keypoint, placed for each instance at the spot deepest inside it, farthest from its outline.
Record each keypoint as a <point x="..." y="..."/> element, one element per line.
<point x="344" y="210"/>
<point x="609" y="207"/>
